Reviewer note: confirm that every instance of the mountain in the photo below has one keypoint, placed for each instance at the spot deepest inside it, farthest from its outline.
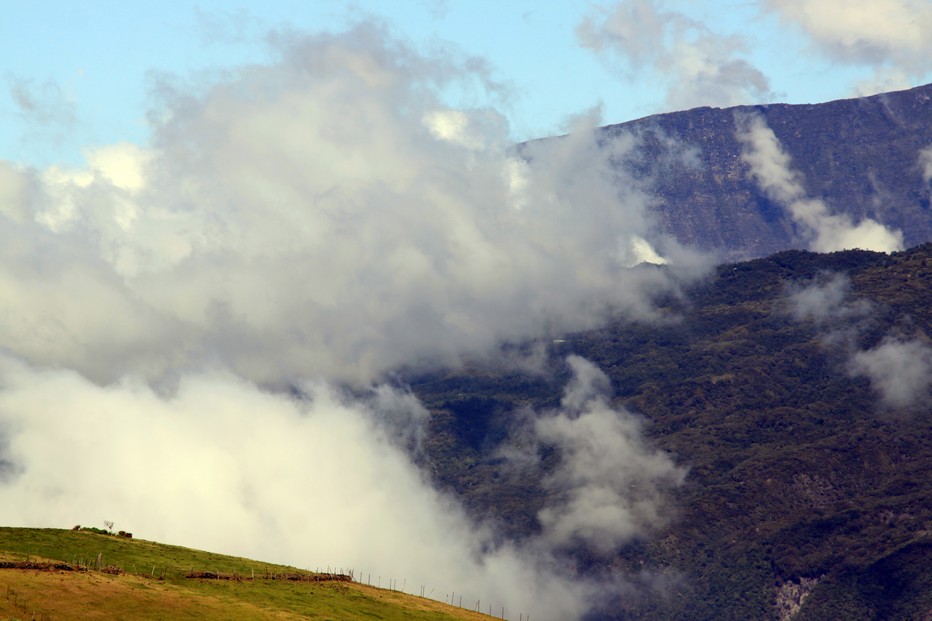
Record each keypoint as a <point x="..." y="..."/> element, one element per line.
<point x="860" y="156"/>
<point x="808" y="494"/>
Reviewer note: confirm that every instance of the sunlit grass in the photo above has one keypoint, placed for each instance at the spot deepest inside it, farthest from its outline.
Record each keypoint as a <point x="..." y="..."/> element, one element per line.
<point x="154" y="585"/>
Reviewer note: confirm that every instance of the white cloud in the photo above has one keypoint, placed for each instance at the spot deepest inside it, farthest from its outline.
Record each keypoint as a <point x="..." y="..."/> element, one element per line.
<point x="925" y="163"/>
<point x="327" y="214"/>
<point x="825" y="232"/>
<point x="20" y="193"/>
<point x="698" y="65"/>
<point x="609" y="485"/>
<point x="894" y="37"/>
<point x="826" y="301"/>
<point x="316" y="222"/>
<point x="900" y="370"/>
<point x="869" y="32"/>
<point x="222" y="465"/>
<point x="122" y="164"/>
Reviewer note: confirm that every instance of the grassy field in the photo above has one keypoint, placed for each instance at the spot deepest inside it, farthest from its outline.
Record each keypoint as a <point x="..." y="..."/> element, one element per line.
<point x="149" y="581"/>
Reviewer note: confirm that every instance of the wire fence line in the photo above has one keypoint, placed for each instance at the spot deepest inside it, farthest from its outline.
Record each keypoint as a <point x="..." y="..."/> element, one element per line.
<point x="21" y="603"/>
<point x="90" y="562"/>
<point x="452" y="598"/>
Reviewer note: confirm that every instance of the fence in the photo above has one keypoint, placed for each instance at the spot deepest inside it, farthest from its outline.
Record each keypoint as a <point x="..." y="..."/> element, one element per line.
<point x="82" y="564"/>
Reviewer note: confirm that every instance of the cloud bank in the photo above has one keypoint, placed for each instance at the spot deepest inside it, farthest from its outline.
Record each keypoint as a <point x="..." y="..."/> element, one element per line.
<point x="294" y="229"/>
<point x="825" y="231"/>
<point x="327" y="214"/>
<point x="317" y="482"/>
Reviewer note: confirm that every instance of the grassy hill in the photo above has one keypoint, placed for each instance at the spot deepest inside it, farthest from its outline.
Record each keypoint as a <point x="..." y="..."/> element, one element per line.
<point x="52" y="574"/>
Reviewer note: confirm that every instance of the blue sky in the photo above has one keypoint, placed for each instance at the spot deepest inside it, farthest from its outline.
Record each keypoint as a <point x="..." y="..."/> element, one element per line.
<point x="78" y="75"/>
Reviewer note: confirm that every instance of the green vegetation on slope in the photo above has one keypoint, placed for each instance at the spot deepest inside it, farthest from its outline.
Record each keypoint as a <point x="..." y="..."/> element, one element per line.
<point x="149" y="582"/>
<point x="797" y="472"/>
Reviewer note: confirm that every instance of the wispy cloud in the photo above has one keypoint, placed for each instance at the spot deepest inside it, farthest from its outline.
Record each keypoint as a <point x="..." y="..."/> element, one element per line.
<point x="41" y="105"/>
<point x="698" y="65"/>
<point x="823" y="230"/>
<point x="894" y="37"/>
<point x="827" y="301"/>
<point x="899" y="368"/>
<point x="609" y="486"/>
<point x="925" y="163"/>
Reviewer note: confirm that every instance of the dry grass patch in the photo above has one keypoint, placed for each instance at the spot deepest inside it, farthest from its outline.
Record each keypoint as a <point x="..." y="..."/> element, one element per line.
<point x="138" y="592"/>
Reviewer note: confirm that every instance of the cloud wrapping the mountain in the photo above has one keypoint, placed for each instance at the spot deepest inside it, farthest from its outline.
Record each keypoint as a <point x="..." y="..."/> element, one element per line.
<point x="925" y="163"/>
<point x="294" y="228"/>
<point x="224" y="466"/>
<point x="321" y="481"/>
<point x="609" y="486"/>
<point x="827" y="301"/>
<point x="900" y="370"/>
<point x="700" y="66"/>
<point x="327" y="214"/>
<point x="771" y="168"/>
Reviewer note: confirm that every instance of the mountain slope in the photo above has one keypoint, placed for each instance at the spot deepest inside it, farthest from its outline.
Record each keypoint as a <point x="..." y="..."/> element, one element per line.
<point x="861" y="156"/>
<point x="804" y="482"/>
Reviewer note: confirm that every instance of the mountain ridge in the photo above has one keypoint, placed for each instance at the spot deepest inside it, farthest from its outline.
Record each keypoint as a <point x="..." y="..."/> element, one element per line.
<point x="860" y="156"/>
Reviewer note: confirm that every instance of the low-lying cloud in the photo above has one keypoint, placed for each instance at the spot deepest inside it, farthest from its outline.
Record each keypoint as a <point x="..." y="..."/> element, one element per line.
<point x="827" y="301"/>
<point x="925" y="163"/>
<point x="609" y="486"/>
<point x="899" y="368"/>
<point x="181" y="322"/>
<point x="824" y="231"/>
<point x="318" y="481"/>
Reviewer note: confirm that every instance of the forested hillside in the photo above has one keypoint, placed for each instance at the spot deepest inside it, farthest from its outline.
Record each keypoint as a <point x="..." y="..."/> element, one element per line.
<point x="807" y="468"/>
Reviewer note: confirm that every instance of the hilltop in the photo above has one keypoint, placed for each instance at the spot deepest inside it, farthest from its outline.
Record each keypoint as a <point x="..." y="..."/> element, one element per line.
<point x="57" y="574"/>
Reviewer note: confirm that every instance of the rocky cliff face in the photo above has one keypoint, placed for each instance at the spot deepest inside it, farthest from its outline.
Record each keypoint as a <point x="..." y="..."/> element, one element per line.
<point x="862" y="157"/>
